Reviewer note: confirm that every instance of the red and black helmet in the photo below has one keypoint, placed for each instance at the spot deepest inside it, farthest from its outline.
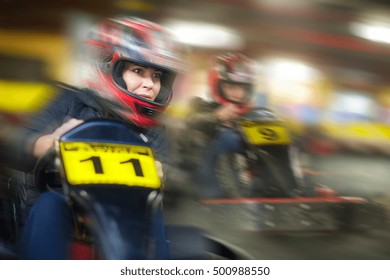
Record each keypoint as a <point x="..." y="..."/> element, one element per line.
<point x="235" y="68"/>
<point x="128" y="39"/>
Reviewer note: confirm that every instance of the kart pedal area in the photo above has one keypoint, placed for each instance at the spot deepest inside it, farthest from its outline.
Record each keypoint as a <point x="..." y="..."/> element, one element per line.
<point x="297" y="214"/>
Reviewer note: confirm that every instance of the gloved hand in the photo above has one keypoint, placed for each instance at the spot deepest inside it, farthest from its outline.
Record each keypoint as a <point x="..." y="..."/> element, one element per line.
<point x="45" y="142"/>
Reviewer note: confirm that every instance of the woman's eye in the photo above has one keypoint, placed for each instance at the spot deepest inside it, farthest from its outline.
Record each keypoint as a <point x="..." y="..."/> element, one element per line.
<point x="138" y="70"/>
<point x="157" y="75"/>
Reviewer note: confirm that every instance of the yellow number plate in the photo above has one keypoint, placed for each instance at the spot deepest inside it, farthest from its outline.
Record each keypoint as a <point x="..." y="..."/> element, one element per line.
<point x="105" y="163"/>
<point x="259" y="133"/>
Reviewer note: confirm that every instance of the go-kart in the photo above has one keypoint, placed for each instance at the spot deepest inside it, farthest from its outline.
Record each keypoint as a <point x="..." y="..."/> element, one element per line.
<point x="108" y="175"/>
<point x="265" y="187"/>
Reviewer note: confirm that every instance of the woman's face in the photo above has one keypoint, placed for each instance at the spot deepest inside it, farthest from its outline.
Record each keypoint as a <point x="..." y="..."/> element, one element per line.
<point x="142" y="81"/>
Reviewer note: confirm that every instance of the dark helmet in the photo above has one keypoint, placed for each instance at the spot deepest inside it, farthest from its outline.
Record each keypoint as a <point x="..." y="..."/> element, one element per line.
<point x="232" y="67"/>
<point x="117" y="41"/>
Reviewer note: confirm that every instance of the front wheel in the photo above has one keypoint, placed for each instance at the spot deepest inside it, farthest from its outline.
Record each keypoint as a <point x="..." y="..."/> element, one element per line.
<point x="240" y="177"/>
<point x="263" y="173"/>
<point x="233" y="176"/>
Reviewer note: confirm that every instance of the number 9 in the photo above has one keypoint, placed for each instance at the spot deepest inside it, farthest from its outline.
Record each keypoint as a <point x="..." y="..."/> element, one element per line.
<point x="268" y="134"/>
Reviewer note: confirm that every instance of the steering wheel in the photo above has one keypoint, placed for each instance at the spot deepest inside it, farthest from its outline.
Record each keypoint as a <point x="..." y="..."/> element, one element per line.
<point x="45" y="173"/>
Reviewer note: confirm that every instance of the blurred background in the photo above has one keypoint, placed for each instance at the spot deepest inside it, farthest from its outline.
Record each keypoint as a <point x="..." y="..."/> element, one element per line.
<point x="322" y="65"/>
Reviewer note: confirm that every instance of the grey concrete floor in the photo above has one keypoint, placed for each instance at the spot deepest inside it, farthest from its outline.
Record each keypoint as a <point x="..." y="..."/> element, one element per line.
<point x="366" y="176"/>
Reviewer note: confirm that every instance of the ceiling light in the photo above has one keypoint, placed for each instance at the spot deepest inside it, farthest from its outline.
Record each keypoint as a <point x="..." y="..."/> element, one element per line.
<point x="373" y="32"/>
<point x="290" y="70"/>
<point x="205" y="35"/>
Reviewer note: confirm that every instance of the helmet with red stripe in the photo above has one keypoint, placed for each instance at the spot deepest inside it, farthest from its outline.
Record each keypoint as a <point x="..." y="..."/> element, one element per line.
<point x="233" y="68"/>
<point x="118" y="41"/>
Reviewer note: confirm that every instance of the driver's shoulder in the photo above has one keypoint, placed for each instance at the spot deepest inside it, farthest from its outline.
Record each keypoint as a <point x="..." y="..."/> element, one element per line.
<point x="201" y="104"/>
<point x="69" y="92"/>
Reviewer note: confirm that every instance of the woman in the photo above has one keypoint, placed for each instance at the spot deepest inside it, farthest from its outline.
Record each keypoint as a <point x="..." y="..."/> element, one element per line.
<point x="134" y="64"/>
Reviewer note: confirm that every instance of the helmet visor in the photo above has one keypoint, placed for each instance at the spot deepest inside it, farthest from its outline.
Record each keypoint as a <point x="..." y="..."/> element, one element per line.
<point x="237" y="93"/>
<point x="133" y="78"/>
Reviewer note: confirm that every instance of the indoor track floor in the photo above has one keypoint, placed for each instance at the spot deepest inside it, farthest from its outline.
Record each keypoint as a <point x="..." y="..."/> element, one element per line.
<point x="366" y="176"/>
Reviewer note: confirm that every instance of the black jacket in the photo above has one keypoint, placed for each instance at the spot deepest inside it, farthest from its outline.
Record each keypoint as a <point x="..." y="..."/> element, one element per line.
<point x="202" y="116"/>
<point x="80" y="104"/>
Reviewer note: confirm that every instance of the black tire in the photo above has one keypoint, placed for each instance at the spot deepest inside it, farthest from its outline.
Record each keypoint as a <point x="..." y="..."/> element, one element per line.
<point x="230" y="174"/>
<point x="45" y="173"/>
<point x="238" y="178"/>
<point x="16" y="199"/>
<point x="283" y="172"/>
<point x="274" y="173"/>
